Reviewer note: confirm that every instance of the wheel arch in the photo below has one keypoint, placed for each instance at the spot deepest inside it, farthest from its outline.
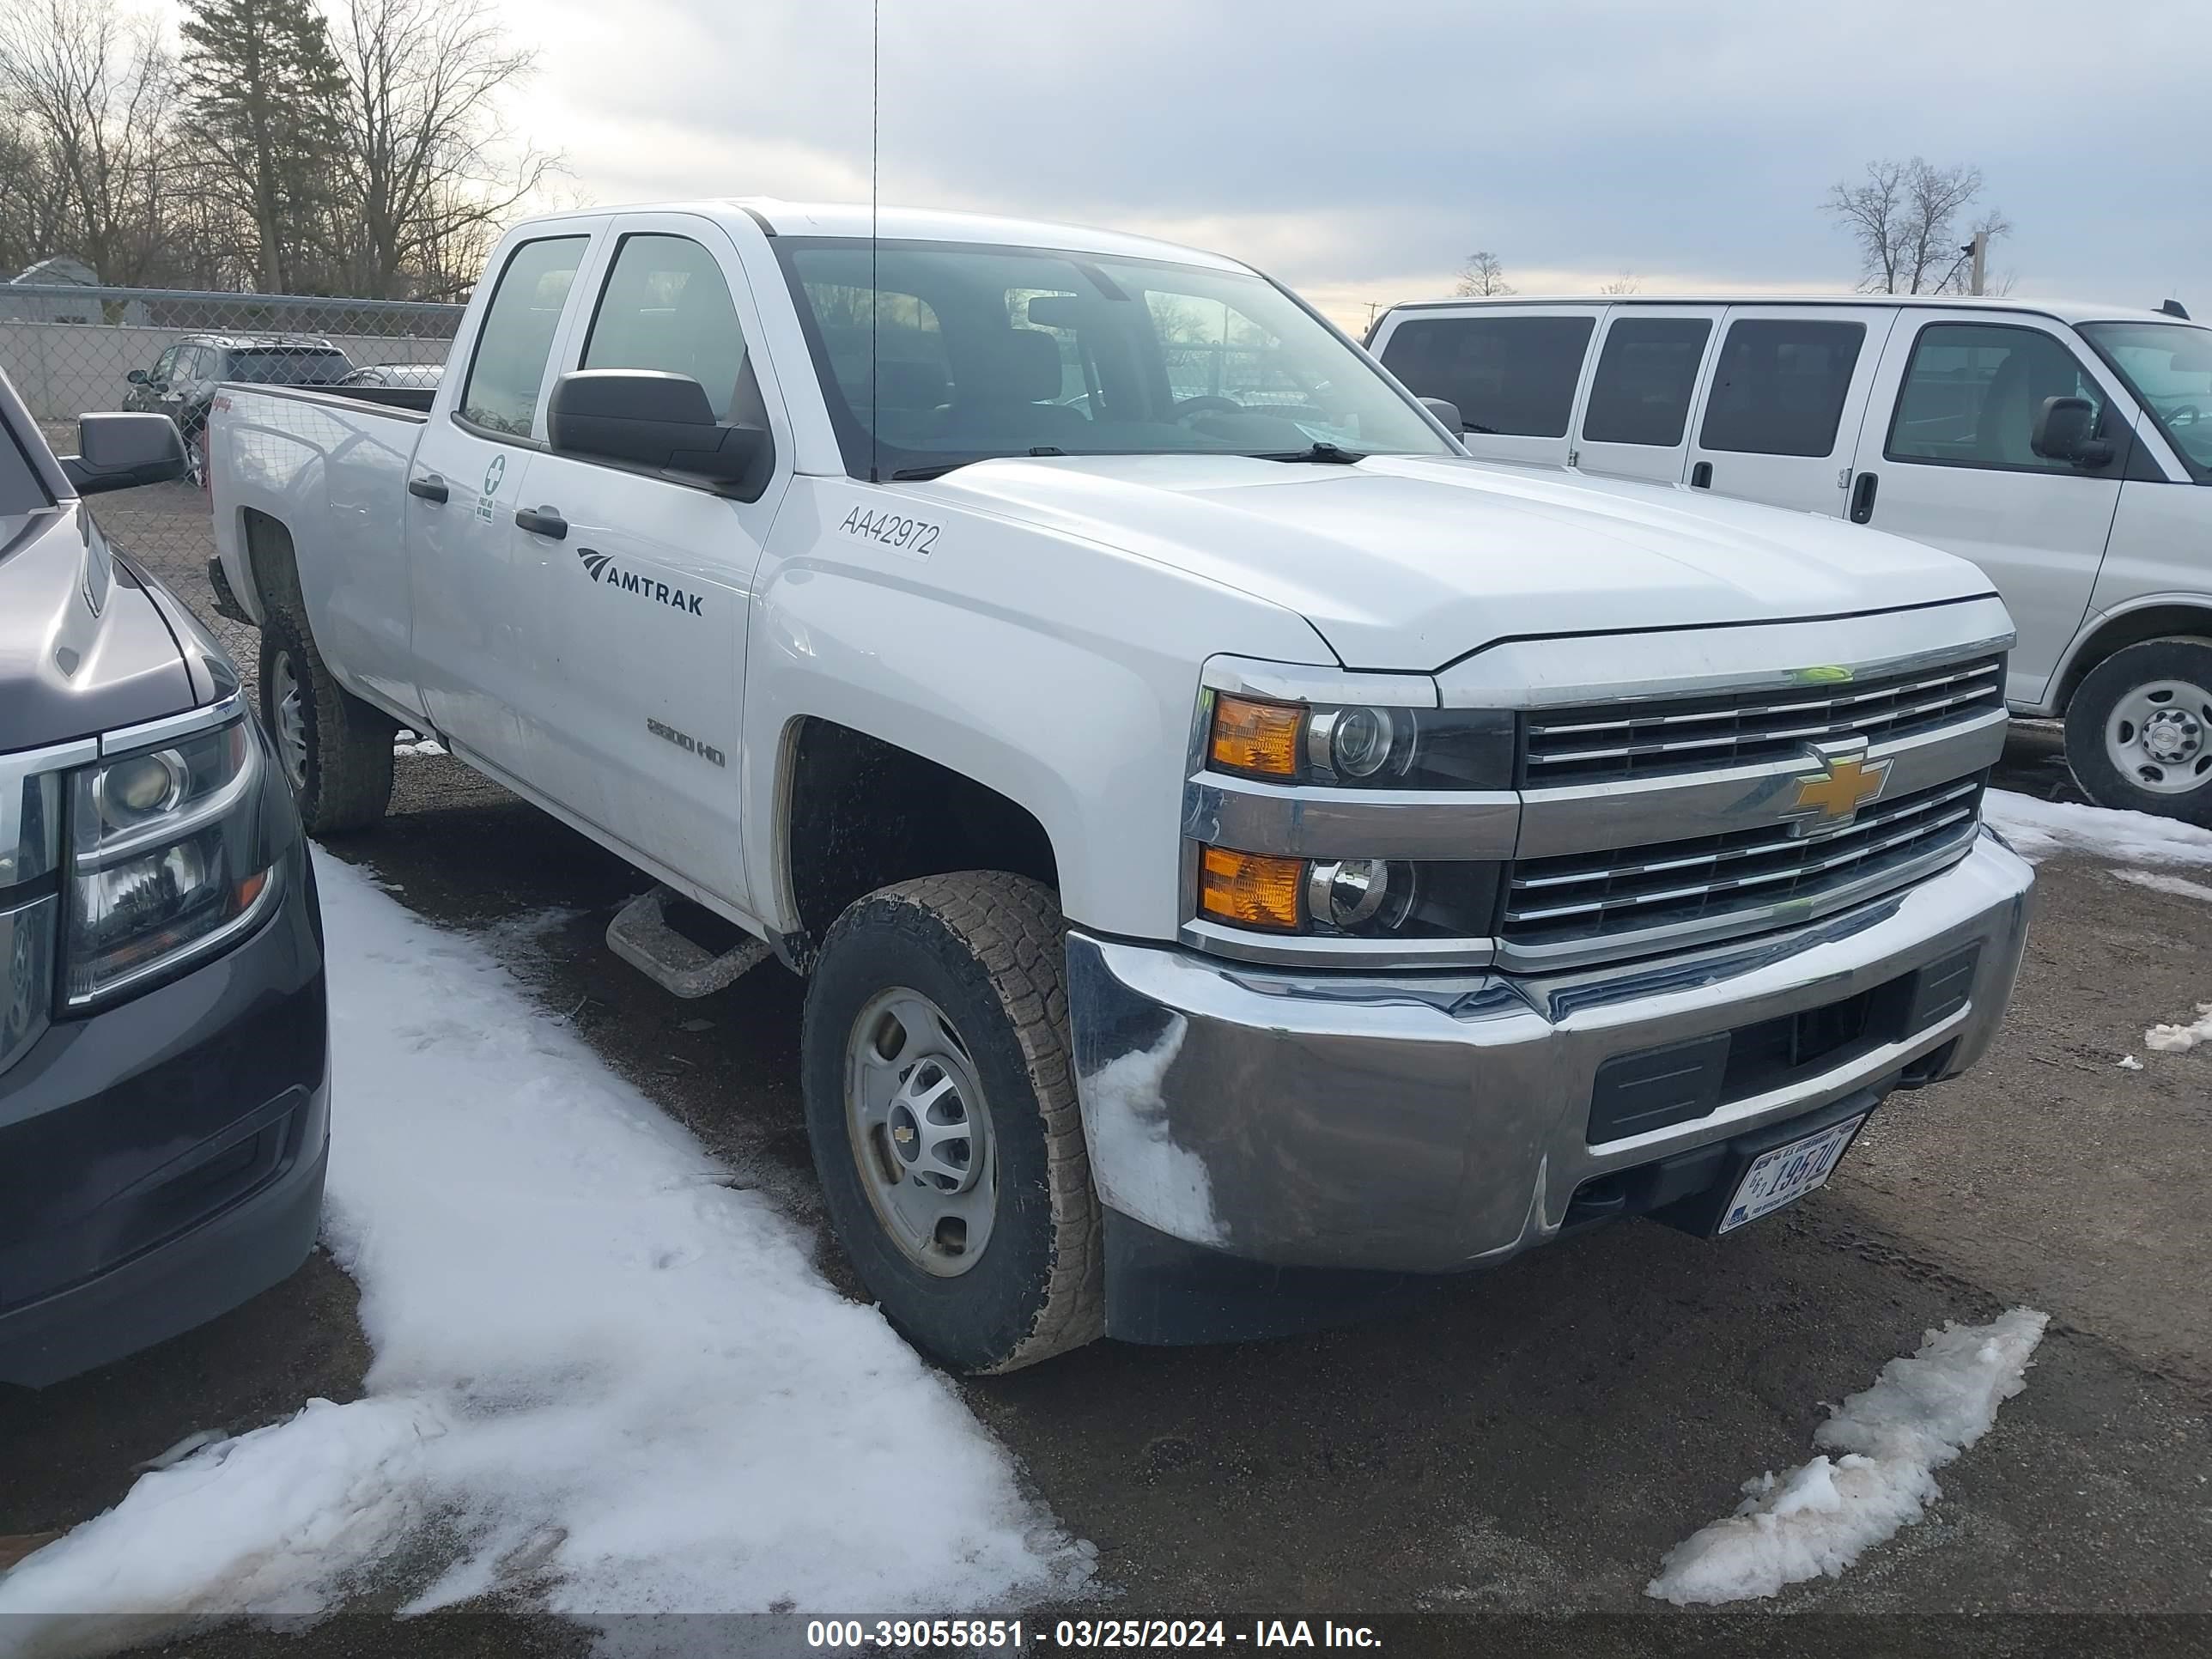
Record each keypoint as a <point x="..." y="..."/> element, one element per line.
<point x="2154" y="617"/>
<point x="856" y="811"/>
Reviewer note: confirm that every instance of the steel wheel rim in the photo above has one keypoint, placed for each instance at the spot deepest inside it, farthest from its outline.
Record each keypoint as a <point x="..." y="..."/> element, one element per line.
<point x="2159" y="736"/>
<point x="921" y="1132"/>
<point x="291" y="719"/>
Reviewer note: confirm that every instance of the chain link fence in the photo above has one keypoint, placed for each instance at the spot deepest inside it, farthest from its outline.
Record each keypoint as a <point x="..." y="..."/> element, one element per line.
<point x="73" y="350"/>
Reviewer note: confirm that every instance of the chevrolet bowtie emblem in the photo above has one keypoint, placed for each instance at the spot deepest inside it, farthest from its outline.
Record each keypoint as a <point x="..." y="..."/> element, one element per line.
<point x="1844" y="783"/>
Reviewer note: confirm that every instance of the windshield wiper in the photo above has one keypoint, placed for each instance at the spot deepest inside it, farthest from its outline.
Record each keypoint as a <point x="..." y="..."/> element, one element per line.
<point x="1330" y="452"/>
<point x="911" y="474"/>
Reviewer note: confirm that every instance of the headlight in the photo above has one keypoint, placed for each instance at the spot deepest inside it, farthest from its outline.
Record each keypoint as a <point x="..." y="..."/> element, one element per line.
<point x="1361" y="746"/>
<point x="167" y="858"/>
<point x="1355" y="898"/>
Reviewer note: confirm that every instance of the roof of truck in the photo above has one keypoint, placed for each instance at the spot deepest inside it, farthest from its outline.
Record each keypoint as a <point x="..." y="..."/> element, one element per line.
<point x="855" y="219"/>
<point x="2064" y="311"/>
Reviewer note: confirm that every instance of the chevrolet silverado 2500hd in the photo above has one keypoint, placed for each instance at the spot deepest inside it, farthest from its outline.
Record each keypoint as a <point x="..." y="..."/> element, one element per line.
<point x="1244" y="850"/>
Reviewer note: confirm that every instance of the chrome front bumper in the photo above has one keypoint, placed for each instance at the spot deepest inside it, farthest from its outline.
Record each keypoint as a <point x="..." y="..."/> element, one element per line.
<point x="1423" y="1125"/>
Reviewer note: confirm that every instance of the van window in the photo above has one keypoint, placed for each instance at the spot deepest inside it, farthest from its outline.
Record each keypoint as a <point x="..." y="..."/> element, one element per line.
<point x="1971" y="391"/>
<point x="1509" y="376"/>
<point x="1780" y="386"/>
<point x="21" y="491"/>
<point x="666" y="306"/>
<point x="1645" y="376"/>
<point x="2169" y="367"/>
<point x="517" y="339"/>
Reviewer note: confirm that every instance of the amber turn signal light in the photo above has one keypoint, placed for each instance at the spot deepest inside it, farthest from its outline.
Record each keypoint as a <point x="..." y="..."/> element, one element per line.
<point x="1250" y="889"/>
<point x="1257" y="736"/>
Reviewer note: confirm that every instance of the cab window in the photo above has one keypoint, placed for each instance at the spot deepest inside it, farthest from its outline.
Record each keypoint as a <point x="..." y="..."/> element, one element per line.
<point x="1509" y="376"/>
<point x="517" y="337"/>
<point x="666" y="306"/>
<point x="1970" y="393"/>
<point x="1780" y="386"/>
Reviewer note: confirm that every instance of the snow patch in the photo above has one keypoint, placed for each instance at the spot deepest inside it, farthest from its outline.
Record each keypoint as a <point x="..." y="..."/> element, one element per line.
<point x="2130" y="1063"/>
<point x="600" y="1381"/>
<point x="2177" y="1039"/>
<point x="1889" y="1440"/>
<point x="2179" y="886"/>
<point x="1140" y="1170"/>
<point x="2037" y="828"/>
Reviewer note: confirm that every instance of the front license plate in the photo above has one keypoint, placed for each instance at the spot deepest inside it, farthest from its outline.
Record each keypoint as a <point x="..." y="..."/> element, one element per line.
<point x="1788" y="1173"/>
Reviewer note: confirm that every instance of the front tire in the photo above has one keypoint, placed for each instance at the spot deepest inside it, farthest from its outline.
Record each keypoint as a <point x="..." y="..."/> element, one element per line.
<point x="941" y="1107"/>
<point x="336" y="750"/>
<point x="2139" y="729"/>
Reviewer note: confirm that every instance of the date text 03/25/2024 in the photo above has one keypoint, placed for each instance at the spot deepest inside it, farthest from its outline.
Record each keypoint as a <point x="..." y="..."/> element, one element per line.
<point x="852" y="1635"/>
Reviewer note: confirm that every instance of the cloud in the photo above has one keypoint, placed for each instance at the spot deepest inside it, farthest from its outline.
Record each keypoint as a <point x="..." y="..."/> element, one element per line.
<point x="1361" y="150"/>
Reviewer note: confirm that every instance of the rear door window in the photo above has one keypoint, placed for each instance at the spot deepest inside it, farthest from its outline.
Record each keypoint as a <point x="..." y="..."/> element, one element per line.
<point x="517" y="337"/>
<point x="1509" y="376"/>
<point x="1646" y="375"/>
<point x="1780" y="386"/>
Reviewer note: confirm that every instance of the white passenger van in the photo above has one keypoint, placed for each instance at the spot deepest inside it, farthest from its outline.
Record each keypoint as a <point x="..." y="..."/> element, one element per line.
<point x="2066" y="449"/>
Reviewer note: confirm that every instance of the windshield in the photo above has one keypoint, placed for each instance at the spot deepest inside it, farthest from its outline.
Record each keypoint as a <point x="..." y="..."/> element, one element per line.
<point x="944" y="353"/>
<point x="21" y="491"/>
<point x="2168" y="366"/>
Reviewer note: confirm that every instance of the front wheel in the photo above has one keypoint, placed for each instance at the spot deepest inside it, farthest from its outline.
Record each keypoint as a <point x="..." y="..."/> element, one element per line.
<point x="941" y="1107"/>
<point x="2139" y="729"/>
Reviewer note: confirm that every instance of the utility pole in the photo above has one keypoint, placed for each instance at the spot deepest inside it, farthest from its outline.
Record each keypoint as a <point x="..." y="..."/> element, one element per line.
<point x="1979" y="247"/>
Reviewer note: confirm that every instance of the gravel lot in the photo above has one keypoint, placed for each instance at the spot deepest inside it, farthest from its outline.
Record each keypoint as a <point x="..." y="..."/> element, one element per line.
<point x="1534" y="1442"/>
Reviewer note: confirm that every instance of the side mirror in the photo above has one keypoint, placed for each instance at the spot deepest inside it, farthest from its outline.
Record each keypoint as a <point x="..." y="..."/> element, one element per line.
<point x="123" y="451"/>
<point x="2066" y="430"/>
<point x="137" y="377"/>
<point x="656" y="423"/>
<point x="1448" y="413"/>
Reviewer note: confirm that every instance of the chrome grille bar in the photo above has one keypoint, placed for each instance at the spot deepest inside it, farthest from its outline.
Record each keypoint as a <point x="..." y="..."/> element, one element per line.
<point x="1593" y="897"/>
<point x="1640" y="739"/>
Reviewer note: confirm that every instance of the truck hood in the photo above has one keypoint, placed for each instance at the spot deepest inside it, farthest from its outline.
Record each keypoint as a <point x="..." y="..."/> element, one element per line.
<point x="1409" y="564"/>
<point x="70" y="666"/>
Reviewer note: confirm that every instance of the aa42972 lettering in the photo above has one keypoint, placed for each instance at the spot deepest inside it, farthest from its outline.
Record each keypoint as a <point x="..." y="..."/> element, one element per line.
<point x="908" y="535"/>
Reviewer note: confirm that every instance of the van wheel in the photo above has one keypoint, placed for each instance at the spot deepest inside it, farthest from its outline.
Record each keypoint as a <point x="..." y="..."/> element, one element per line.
<point x="335" y="749"/>
<point x="941" y="1106"/>
<point x="2139" y="729"/>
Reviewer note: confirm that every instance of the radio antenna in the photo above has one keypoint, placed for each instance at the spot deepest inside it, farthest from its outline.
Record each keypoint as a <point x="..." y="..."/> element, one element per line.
<point x="875" y="293"/>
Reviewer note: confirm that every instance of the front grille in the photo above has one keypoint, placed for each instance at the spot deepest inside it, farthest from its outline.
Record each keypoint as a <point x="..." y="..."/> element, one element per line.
<point x="1598" y="895"/>
<point x="1597" y="742"/>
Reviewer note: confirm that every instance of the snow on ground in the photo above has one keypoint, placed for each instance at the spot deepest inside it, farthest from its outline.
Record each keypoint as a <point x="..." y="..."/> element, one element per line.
<point x="602" y="1381"/>
<point x="2039" y="828"/>
<point x="2175" y="1039"/>
<point x="1889" y="1441"/>
<point x="2178" y="886"/>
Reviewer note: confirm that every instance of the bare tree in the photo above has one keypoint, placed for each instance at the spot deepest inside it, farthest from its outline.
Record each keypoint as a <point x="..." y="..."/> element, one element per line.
<point x="433" y="175"/>
<point x="1483" y="274"/>
<point x="93" y="94"/>
<point x="1627" y="282"/>
<point x="1904" y="217"/>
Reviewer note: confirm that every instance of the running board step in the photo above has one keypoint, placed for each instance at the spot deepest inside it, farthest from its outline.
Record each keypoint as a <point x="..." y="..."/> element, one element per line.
<point x="640" y="936"/>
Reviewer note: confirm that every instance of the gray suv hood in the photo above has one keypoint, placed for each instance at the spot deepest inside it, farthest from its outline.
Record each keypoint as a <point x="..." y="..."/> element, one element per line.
<point x="84" y="647"/>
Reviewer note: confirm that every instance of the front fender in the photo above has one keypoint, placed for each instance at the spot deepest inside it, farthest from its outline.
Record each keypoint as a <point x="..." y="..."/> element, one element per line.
<point x="1060" y="673"/>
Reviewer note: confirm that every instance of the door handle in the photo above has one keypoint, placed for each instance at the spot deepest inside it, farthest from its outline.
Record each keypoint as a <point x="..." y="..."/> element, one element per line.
<point x="1701" y="476"/>
<point x="542" y="521"/>
<point x="430" y="487"/>
<point x="1862" y="497"/>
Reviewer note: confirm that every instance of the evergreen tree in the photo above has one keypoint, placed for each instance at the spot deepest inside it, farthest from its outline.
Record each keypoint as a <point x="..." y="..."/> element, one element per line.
<point x="263" y="90"/>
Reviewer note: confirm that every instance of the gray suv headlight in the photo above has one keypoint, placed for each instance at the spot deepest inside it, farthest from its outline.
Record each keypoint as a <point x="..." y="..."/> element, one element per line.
<point x="166" y="860"/>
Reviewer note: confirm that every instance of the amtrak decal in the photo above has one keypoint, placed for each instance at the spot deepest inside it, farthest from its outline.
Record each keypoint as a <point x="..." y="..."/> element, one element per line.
<point x="613" y="577"/>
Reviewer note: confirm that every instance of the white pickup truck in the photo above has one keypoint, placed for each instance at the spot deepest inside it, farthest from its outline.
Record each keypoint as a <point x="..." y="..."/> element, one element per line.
<point x="1245" y="853"/>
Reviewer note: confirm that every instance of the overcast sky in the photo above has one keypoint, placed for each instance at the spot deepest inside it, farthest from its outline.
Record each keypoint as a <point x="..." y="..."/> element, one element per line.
<point x="1361" y="150"/>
